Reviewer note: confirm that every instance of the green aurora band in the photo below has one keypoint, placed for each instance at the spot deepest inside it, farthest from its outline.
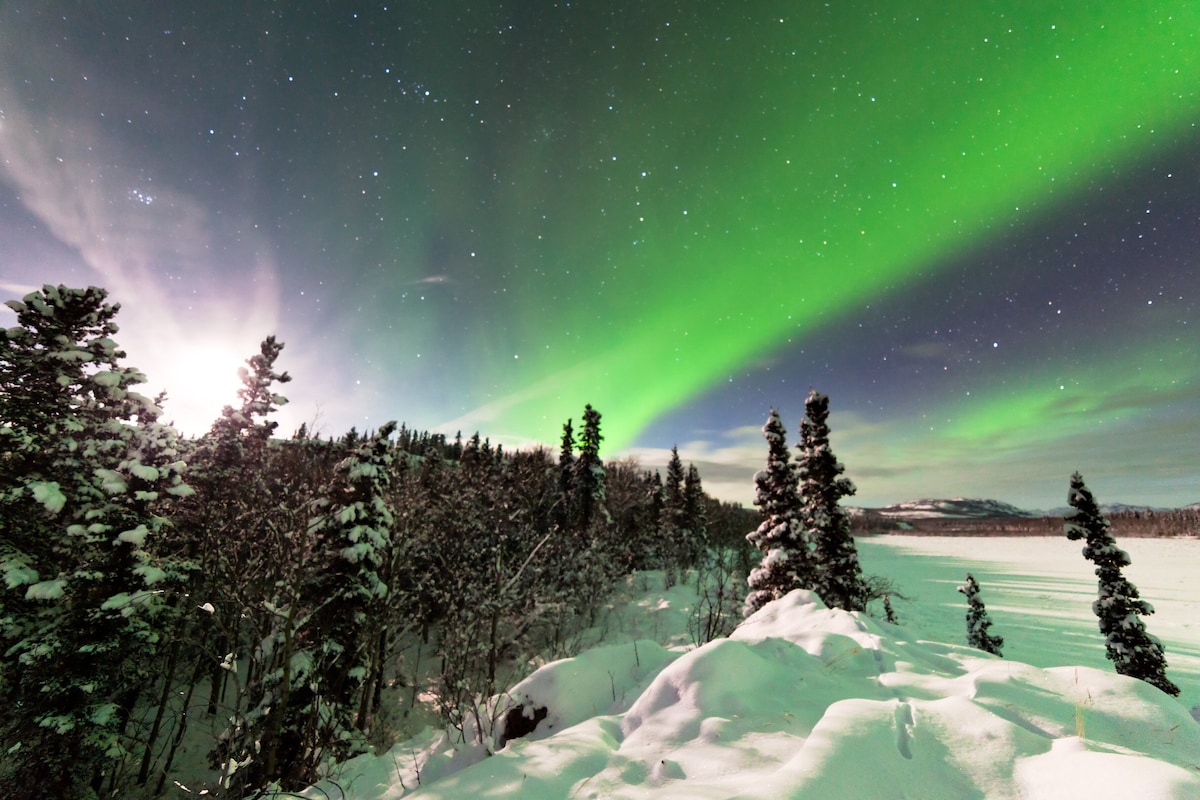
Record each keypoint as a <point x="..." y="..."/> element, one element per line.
<point x="775" y="181"/>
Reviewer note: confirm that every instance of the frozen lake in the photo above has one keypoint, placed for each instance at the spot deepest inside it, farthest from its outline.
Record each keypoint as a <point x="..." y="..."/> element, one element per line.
<point x="1039" y="592"/>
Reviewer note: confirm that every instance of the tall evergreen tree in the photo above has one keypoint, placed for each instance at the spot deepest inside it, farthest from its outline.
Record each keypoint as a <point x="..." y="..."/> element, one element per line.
<point x="566" y="477"/>
<point x="588" y="471"/>
<point x="231" y="529"/>
<point x="978" y="621"/>
<point x="839" y="579"/>
<point x="695" y="514"/>
<point x="672" y="520"/>
<point x="308" y="707"/>
<point x="86" y="472"/>
<point x="1118" y="606"/>
<point x="655" y="497"/>
<point x="786" y="562"/>
<point x="355" y="526"/>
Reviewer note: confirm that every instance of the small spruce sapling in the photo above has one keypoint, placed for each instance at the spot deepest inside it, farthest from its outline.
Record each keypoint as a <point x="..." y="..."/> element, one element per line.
<point x="888" y="613"/>
<point x="978" y="621"/>
<point x="1133" y="651"/>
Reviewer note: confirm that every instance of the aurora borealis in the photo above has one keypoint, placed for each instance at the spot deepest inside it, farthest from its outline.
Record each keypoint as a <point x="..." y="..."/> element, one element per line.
<point x="974" y="228"/>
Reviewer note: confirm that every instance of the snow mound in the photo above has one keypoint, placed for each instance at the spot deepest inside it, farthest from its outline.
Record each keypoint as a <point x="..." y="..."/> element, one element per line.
<point x="808" y="702"/>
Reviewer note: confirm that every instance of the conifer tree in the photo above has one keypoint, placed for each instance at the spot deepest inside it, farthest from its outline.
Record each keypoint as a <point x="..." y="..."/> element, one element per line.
<point x="86" y="473"/>
<point x="588" y="471"/>
<point x="978" y="621"/>
<point x="355" y="525"/>
<point x="839" y="579"/>
<point x="566" y="477"/>
<point x="232" y="532"/>
<point x="672" y="521"/>
<point x="309" y="705"/>
<point x="1118" y="606"/>
<point x="696" y="517"/>
<point x="786" y="562"/>
<point x="655" y="494"/>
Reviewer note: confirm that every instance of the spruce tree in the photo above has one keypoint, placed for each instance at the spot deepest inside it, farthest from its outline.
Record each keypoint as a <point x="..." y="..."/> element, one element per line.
<point x="566" y="477"/>
<point x="695" y="518"/>
<point x="87" y="474"/>
<point x="588" y="471"/>
<point x="672" y="521"/>
<point x="786" y="562"/>
<point x="1118" y="606"/>
<point x="839" y="579"/>
<point x="235" y="527"/>
<point x="658" y="555"/>
<point x="309" y="705"/>
<point x="355" y="527"/>
<point x="977" y="620"/>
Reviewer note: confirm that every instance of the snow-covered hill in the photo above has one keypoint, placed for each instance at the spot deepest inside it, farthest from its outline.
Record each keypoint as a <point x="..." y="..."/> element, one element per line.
<point x="958" y="508"/>
<point x="806" y="702"/>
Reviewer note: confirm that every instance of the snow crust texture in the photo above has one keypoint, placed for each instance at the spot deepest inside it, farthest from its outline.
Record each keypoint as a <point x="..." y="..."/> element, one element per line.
<point x="807" y="702"/>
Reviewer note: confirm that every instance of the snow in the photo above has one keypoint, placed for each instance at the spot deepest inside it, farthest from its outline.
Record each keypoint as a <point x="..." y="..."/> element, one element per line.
<point x="806" y="702"/>
<point x="46" y="590"/>
<point x="17" y="572"/>
<point x="135" y="536"/>
<point x="112" y="481"/>
<point x="143" y="471"/>
<point x="49" y="495"/>
<point x="108" y="379"/>
<point x="150" y="574"/>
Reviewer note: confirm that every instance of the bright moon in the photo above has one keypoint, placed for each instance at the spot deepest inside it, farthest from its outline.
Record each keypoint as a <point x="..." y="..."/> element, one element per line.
<point x="199" y="385"/>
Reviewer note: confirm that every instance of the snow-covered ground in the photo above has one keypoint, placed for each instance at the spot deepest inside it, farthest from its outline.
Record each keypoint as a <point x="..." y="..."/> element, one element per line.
<point x="1039" y="593"/>
<point x="806" y="702"/>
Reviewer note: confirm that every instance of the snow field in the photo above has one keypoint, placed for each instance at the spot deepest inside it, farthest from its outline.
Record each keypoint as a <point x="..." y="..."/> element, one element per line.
<point x="1039" y="593"/>
<point x="806" y="702"/>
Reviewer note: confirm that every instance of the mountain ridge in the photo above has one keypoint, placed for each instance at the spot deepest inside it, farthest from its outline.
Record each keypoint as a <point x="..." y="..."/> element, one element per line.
<point x="986" y="508"/>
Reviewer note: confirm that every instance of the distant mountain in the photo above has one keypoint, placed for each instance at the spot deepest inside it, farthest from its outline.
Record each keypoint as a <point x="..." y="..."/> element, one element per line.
<point x="958" y="508"/>
<point x="976" y="508"/>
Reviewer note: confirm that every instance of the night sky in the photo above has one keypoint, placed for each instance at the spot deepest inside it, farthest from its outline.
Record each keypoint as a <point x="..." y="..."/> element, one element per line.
<point x="974" y="225"/>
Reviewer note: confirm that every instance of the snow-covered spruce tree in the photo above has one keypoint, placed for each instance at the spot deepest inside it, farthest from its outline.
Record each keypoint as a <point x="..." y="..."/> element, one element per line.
<point x="839" y="579"/>
<point x="566" y="477"/>
<point x="655" y="498"/>
<point x="83" y="495"/>
<point x="696" y="517"/>
<point x="978" y="621"/>
<point x="672" y="522"/>
<point x="236" y="530"/>
<point x="594" y="552"/>
<point x="310" y="705"/>
<point x="357" y="527"/>
<point x="1133" y="651"/>
<point x="786" y="562"/>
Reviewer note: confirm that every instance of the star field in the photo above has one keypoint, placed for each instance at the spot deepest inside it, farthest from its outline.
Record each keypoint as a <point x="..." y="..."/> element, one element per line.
<point x="974" y="228"/>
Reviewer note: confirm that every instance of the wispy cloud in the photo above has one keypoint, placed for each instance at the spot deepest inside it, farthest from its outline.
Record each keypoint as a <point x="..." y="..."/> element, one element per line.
<point x="151" y="245"/>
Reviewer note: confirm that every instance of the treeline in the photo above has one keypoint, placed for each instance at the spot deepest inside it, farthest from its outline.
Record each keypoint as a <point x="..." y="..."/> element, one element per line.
<point x="1144" y="523"/>
<point x="299" y="596"/>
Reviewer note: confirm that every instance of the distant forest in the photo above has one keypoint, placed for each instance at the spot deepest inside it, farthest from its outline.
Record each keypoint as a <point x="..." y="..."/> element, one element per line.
<point x="1129" y="523"/>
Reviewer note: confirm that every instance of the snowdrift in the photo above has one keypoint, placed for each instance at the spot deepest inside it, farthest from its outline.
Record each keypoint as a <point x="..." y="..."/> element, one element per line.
<point x="807" y="702"/>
